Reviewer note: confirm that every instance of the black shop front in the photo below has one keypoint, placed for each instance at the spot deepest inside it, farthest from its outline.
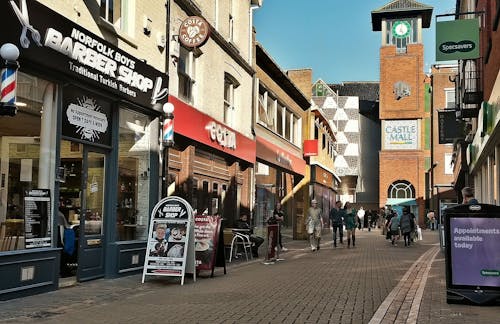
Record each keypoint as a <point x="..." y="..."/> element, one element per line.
<point x="79" y="160"/>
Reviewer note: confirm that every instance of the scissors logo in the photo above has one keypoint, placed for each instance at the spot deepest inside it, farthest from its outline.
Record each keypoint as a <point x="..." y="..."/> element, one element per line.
<point x="24" y="19"/>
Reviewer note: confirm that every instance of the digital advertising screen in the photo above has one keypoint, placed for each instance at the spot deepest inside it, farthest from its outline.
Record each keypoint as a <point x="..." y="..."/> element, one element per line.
<point x="475" y="251"/>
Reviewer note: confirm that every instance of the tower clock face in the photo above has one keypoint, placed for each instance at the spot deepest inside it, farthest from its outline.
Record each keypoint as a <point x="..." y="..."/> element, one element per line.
<point x="401" y="29"/>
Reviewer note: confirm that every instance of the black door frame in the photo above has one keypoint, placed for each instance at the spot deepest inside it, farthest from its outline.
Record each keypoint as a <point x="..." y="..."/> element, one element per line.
<point x="92" y="247"/>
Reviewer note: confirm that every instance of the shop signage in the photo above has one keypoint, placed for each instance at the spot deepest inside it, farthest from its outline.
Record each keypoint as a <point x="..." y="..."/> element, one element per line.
<point x="283" y="158"/>
<point x="449" y="128"/>
<point x="273" y="154"/>
<point x="222" y="135"/>
<point x="457" y="39"/>
<point x="194" y="31"/>
<point x="70" y="49"/>
<point x="322" y="176"/>
<point x="206" y="235"/>
<point x="199" y="127"/>
<point x="36" y="218"/>
<point x="87" y="117"/>
<point x="170" y="247"/>
<point x="400" y="134"/>
<point x="310" y="147"/>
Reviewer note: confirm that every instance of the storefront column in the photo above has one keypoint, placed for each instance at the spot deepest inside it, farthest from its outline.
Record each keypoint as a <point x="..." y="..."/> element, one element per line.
<point x="46" y="136"/>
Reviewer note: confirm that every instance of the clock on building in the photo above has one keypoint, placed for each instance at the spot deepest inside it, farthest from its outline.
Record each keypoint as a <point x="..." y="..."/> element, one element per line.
<point x="401" y="29"/>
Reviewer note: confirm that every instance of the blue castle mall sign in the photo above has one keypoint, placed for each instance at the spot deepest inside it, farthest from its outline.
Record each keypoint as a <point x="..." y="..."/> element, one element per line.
<point x="49" y="40"/>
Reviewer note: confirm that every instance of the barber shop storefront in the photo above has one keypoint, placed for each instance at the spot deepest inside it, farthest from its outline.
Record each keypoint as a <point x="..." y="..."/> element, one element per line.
<point x="210" y="165"/>
<point x="277" y="173"/>
<point x="79" y="160"/>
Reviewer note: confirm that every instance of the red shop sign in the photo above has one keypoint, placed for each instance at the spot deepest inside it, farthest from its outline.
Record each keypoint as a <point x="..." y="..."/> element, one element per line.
<point x="202" y="128"/>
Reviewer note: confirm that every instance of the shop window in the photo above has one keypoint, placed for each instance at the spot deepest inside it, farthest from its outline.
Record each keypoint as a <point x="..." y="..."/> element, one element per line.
<point x="119" y="13"/>
<point x="132" y="215"/>
<point x="186" y="72"/>
<point x="27" y="163"/>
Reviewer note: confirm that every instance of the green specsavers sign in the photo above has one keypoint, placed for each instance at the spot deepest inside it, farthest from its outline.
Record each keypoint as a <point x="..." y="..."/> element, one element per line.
<point x="457" y="39"/>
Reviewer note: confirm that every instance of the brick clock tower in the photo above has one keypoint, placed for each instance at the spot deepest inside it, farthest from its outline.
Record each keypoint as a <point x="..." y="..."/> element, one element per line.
<point x="404" y="105"/>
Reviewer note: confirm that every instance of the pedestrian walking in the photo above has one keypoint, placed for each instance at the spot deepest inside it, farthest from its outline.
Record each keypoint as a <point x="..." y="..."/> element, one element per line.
<point x="405" y="224"/>
<point x="361" y="217"/>
<point x="314" y="225"/>
<point x="349" y="215"/>
<point x="431" y="219"/>
<point x="394" y="229"/>
<point x="337" y="223"/>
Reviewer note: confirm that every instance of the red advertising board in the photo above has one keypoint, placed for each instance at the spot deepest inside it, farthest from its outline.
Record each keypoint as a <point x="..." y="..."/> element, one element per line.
<point x="206" y="236"/>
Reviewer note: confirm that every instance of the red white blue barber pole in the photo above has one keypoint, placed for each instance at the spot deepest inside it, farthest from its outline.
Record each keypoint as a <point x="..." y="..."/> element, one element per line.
<point x="168" y="125"/>
<point x="9" y="52"/>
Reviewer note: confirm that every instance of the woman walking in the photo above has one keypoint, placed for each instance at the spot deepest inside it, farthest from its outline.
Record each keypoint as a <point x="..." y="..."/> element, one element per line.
<point x="314" y="225"/>
<point x="350" y="224"/>
<point x="405" y="224"/>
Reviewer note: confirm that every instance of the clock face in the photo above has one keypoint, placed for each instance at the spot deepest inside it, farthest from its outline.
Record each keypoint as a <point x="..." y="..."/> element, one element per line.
<point x="401" y="29"/>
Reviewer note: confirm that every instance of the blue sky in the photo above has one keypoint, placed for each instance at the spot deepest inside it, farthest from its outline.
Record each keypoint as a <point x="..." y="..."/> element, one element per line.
<point x="333" y="37"/>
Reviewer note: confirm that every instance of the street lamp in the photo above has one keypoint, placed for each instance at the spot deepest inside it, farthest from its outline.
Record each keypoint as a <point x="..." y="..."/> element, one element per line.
<point x="167" y="141"/>
<point x="9" y="52"/>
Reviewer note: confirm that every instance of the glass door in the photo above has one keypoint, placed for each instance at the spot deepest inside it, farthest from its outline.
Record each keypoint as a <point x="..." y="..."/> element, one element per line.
<point x="91" y="242"/>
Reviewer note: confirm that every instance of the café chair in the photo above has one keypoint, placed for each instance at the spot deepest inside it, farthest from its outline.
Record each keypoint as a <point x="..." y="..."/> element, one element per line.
<point x="240" y="240"/>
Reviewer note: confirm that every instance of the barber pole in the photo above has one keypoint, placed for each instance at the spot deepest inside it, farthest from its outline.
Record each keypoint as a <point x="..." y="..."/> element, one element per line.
<point x="168" y="130"/>
<point x="8" y="87"/>
<point x="9" y="53"/>
<point x="168" y="125"/>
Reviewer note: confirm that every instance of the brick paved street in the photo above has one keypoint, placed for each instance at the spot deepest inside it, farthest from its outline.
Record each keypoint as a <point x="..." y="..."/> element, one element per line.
<point x="372" y="282"/>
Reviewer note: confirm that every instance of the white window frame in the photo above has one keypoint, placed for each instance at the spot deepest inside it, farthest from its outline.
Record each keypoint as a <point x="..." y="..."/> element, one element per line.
<point x="124" y="20"/>
<point x="187" y="75"/>
<point x="230" y="86"/>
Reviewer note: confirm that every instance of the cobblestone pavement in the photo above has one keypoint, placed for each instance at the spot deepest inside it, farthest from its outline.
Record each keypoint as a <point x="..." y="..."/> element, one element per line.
<point x="373" y="282"/>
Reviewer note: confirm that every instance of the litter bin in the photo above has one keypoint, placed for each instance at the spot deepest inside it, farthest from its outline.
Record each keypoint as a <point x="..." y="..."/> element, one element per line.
<point x="472" y="254"/>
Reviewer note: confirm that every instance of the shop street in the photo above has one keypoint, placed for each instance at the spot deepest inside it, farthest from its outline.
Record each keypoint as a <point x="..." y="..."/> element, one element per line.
<point x="372" y="283"/>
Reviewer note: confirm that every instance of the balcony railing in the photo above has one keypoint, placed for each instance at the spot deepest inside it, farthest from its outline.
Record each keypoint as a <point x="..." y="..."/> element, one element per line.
<point x="470" y="90"/>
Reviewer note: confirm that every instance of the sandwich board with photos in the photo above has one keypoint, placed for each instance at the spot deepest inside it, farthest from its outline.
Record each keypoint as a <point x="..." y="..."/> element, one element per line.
<point x="170" y="248"/>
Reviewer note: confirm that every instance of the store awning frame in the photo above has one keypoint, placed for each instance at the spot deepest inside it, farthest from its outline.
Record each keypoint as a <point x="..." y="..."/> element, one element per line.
<point x="401" y="202"/>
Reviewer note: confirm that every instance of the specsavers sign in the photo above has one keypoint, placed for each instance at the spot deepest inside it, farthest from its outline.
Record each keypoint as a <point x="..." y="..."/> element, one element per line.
<point x="457" y="39"/>
<point x="51" y="42"/>
<point x="400" y="134"/>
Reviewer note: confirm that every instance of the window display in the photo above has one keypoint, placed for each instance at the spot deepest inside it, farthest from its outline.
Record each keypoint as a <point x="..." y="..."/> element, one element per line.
<point x="27" y="164"/>
<point x="133" y="176"/>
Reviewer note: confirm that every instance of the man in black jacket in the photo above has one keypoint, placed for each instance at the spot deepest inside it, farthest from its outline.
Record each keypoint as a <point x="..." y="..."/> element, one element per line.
<point x="337" y="223"/>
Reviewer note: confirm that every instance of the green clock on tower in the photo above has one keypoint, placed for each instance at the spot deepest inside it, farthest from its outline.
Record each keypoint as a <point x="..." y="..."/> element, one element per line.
<point x="401" y="29"/>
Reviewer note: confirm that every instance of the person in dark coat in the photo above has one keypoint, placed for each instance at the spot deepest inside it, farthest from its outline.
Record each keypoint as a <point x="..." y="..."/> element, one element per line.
<point x="257" y="241"/>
